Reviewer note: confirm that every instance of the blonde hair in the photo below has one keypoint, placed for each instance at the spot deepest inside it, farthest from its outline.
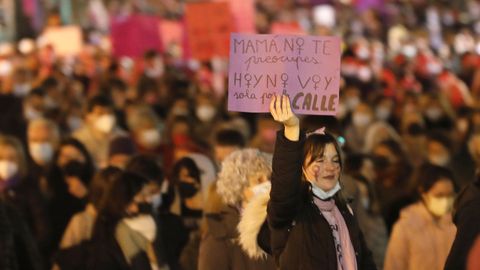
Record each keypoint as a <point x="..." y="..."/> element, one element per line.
<point x="17" y="145"/>
<point x="236" y="170"/>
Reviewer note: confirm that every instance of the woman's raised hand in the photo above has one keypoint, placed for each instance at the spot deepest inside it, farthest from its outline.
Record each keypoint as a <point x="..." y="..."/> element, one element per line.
<point x="281" y="111"/>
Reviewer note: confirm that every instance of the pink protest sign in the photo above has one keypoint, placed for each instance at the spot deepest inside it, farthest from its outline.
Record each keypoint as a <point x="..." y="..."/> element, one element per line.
<point x="134" y="35"/>
<point x="307" y="68"/>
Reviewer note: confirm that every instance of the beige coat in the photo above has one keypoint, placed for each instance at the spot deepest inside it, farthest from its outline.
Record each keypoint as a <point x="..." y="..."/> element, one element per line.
<point x="418" y="241"/>
<point x="79" y="228"/>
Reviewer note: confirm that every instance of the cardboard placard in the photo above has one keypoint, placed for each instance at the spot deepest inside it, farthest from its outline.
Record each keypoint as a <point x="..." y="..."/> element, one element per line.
<point x="307" y="68"/>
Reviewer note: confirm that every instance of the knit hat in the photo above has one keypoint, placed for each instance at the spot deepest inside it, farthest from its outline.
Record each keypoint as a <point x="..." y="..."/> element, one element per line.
<point x="122" y="145"/>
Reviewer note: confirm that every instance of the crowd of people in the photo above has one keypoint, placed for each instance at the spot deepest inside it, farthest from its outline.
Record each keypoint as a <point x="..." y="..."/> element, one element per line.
<point x="110" y="163"/>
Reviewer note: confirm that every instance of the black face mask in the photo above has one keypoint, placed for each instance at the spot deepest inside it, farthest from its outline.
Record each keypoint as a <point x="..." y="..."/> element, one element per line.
<point x="145" y="208"/>
<point x="381" y="162"/>
<point x="415" y="129"/>
<point x="187" y="190"/>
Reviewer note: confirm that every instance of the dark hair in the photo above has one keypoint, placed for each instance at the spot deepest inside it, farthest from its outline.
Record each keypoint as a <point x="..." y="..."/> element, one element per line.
<point x="49" y="82"/>
<point x="229" y="137"/>
<point x="190" y="165"/>
<point x="77" y="169"/>
<point x="100" y="185"/>
<point x="100" y="101"/>
<point x="315" y="147"/>
<point x="430" y="174"/>
<point x="440" y="138"/>
<point x="146" y="166"/>
<point x="89" y="167"/>
<point x="121" y="194"/>
<point x="354" y="162"/>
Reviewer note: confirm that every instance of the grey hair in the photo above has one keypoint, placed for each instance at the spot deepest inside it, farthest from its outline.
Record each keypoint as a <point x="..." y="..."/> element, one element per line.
<point x="236" y="170"/>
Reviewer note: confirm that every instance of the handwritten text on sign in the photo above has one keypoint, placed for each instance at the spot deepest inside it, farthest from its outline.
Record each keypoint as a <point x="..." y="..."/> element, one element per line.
<point x="307" y="68"/>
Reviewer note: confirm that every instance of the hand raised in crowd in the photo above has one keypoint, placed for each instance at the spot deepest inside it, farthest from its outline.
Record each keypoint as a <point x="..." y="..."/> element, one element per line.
<point x="281" y="110"/>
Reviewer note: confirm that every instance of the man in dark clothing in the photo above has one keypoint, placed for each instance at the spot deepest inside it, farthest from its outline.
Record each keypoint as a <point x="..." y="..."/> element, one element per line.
<point x="467" y="219"/>
<point x="466" y="214"/>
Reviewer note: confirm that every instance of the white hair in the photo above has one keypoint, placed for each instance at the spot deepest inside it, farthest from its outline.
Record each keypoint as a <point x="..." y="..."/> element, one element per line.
<point x="237" y="168"/>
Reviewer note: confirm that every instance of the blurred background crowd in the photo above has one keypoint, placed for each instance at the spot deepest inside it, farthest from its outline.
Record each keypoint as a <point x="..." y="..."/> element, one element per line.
<point x="77" y="130"/>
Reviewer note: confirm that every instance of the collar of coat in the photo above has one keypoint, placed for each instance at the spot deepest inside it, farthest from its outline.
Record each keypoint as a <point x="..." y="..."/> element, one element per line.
<point x="251" y="221"/>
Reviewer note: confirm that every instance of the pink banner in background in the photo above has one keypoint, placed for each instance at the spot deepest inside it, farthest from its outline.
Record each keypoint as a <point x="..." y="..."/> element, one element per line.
<point x="243" y="12"/>
<point x="134" y="35"/>
<point x="307" y="68"/>
<point x="208" y="26"/>
<point x="286" y="28"/>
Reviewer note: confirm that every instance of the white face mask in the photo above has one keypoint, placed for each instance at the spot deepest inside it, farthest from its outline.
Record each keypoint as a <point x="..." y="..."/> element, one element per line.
<point x="105" y="123"/>
<point x="150" y="138"/>
<point x="433" y="113"/>
<point x="21" y="90"/>
<point x="382" y="113"/>
<point x="205" y="113"/>
<point x="31" y="113"/>
<point x="361" y="119"/>
<point x="7" y="169"/>
<point x="352" y="103"/>
<point x="261" y="188"/>
<point x="325" y="195"/>
<point x="74" y="123"/>
<point x="156" y="201"/>
<point x="144" y="224"/>
<point x="439" y="160"/>
<point x="439" y="206"/>
<point x="41" y="152"/>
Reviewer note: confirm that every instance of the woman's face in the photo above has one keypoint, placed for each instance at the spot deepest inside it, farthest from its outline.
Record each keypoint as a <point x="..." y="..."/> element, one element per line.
<point x="324" y="172"/>
<point x="69" y="153"/>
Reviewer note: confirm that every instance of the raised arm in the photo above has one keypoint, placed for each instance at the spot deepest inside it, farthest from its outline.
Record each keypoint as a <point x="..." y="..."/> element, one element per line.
<point x="286" y="166"/>
<point x="281" y="111"/>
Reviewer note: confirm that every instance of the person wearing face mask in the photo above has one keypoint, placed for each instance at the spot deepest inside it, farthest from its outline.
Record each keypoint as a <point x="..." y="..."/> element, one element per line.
<point x="62" y="204"/>
<point x="311" y="225"/>
<point x="172" y="235"/>
<point x="186" y="176"/>
<point x="206" y="114"/>
<point x="438" y="113"/>
<point x="22" y="196"/>
<point x="146" y="129"/>
<point x="43" y="137"/>
<point x="361" y="168"/>
<point x="422" y="237"/>
<point x="244" y="176"/>
<point x="99" y="129"/>
<point x="124" y="231"/>
<point x="80" y="226"/>
<point x="355" y="133"/>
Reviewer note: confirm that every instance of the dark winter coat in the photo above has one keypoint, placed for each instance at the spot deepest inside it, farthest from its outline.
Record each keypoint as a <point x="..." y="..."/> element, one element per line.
<point x="220" y="248"/>
<point x="18" y="250"/>
<point x="467" y="219"/>
<point x="301" y="237"/>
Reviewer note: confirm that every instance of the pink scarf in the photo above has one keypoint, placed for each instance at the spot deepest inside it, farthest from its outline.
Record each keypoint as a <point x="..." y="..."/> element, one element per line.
<point x="346" y="259"/>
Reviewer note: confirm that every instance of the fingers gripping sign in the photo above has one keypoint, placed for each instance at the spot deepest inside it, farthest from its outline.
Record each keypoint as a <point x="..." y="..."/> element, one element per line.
<point x="281" y="111"/>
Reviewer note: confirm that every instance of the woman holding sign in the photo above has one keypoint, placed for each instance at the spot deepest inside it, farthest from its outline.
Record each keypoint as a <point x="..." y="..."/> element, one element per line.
<point x="311" y="224"/>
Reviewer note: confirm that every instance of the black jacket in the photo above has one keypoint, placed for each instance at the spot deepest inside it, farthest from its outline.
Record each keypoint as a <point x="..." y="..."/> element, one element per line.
<point x="301" y="237"/>
<point x="467" y="219"/>
<point x="18" y="250"/>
